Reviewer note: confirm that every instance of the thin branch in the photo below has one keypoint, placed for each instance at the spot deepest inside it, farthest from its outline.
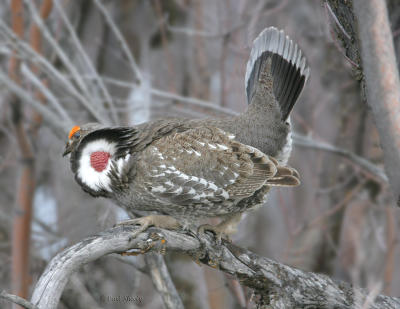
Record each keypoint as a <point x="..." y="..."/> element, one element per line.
<point x="17" y="300"/>
<point x="86" y="59"/>
<point x="329" y="9"/>
<point x="65" y="59"/>
<point x="304" y="141"/>
<point x="276" y="284"/>
<point x="194" y="32"/>
<point x="59" y="126"/>
<point x="172" y="96"/>
<point x="121" y="40"/>
<point x="38" y="59"/>
<point x="46" y="92"/>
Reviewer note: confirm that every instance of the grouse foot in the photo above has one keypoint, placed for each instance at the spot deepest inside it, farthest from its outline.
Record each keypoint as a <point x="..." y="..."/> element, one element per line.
<point x="224" y="229"/>
<point x="160" y="221"/>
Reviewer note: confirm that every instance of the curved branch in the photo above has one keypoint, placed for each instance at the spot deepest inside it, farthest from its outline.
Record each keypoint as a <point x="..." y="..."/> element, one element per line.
<point x="276" y="284"/>
<point x="17" y="300"/>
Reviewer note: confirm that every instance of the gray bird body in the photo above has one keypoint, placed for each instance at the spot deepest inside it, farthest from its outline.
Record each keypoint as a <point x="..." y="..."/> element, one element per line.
<point x="205" y="167"/>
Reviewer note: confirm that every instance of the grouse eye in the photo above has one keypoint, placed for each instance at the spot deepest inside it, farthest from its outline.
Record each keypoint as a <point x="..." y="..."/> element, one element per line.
<point x="75" y="132"/>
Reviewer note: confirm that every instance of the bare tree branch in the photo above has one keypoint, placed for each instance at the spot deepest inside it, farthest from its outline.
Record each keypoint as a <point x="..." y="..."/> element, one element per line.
<point x="382" y="81"/>
<point x="275" y="284"/>
<point x="305" y="141"/>
<point x="17" y="300"/>
<point x="46" y="92"/>
<point x="88" y="62"/>
<point x="38" y="59"/>
<point x="120" y="39"/>
<point x="59" y="126"/>
<point x="68" y="64"/>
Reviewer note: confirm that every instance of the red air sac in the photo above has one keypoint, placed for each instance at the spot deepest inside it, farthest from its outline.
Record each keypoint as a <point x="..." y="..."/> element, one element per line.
<point x="99" y="160"/>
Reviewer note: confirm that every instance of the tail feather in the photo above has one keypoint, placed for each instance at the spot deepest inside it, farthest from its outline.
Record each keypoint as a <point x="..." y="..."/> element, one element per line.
<point x="288" y="68"/>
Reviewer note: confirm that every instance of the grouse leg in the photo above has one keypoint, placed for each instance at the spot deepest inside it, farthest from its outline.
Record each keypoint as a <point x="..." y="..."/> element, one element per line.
<point x="225" y="228"/>
<point x="160" y="221"/>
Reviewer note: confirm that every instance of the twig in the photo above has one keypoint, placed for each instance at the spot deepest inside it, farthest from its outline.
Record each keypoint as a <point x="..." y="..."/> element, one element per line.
<point x="47" y="93"/>
<point x="17" y="300"/>
<point x="194" y="32"/>
<point x="342" y="203"/>
<point x="172" y="96"/>
<point x="62" y="55"/>
<point x="328" y="8"/>
<point x="58" y="125"/>
<point x="39" y="59"/>
<point x="86" y="59"/>
<point x="278" y="285"/>
<point x="304" y="141"/>
<point x="120" y="40"/>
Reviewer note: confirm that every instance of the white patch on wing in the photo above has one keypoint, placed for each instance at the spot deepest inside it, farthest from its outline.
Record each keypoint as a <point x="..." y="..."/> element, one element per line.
<point x="96" y="181"/>
<point x="225" y="194"/>
<point x="209" y="190"/>
<point x="222" y="147"/>
<point x="160" y="189"/>
<point x="158" y="153"/>
<point x="178" y="191"/>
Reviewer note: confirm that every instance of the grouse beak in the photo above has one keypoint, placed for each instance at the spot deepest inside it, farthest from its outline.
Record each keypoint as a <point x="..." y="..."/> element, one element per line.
<point x="68" y="148"/>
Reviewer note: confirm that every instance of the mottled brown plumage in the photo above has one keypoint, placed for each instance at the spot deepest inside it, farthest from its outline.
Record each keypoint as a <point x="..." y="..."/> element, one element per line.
<point x="191" y="169"/>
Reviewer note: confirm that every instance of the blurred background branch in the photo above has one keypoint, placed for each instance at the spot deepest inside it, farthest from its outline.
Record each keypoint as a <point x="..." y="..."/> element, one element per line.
<point x="382" y="81"/>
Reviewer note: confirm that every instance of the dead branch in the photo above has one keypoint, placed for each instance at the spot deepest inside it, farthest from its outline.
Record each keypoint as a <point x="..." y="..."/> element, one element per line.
<point x="120" y="38"/>
<point x="17" y="300"/>
<point x="275" y="284"/>
<point x="85" y="57"/>
<point x="369" y="167"/>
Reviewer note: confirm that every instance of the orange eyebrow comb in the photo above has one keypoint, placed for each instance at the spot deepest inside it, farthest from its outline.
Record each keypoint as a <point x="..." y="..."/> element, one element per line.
<point x="73" y="131"/>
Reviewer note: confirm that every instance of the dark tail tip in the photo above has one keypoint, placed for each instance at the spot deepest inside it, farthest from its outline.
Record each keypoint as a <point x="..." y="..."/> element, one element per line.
<point x="288" y="68"/>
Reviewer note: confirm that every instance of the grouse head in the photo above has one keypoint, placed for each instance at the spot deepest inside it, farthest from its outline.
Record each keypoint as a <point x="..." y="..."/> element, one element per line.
<point x="97" y="153"/>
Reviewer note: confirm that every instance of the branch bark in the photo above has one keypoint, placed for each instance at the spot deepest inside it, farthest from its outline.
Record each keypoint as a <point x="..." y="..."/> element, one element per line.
<point x="276" y="285"/>
<point x="17" y="300"/>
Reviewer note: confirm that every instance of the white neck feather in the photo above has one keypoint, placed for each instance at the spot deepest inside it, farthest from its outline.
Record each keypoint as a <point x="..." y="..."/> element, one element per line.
<point x="95" y="180"/>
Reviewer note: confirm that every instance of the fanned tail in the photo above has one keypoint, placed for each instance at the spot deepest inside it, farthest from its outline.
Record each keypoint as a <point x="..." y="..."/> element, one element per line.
<point x="287" y="68"/>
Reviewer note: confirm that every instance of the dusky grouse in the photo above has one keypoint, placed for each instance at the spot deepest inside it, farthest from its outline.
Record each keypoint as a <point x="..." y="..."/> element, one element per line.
<point x="182" y="170"/>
